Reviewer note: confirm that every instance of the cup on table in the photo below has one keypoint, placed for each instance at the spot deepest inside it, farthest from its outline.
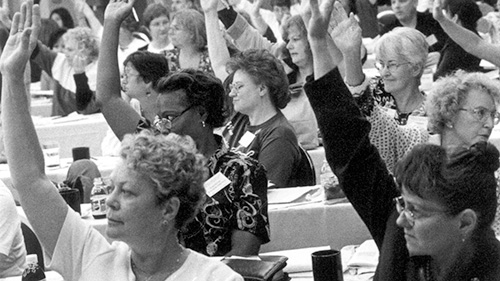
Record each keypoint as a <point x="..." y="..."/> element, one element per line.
<point x="327" y="265"/>
<point x="82" y="152"/>
<point x="72" y="197"/>
<point x="51" y="153"/>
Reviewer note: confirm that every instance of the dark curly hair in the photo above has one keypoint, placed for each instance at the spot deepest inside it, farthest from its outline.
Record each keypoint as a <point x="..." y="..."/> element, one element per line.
<point x="464" y="180"/>
<point x="150" y="66"/>
<point x="173" y="166"/>
<point x="266" y="69"/>
<point x="202" y="89"/>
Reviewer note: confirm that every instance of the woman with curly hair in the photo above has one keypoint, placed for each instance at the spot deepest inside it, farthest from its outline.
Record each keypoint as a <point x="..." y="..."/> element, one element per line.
<point x="74" y="69"/>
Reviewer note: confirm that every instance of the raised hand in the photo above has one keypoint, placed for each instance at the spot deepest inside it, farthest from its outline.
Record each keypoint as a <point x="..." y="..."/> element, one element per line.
<point x="255" y="7"/>
<point x="317" y="27"/>
<point x="346" y="32"/>
<point x="5" y="13"/>
<point x="22" y="40"/>
<point x="118" y="9"/>
<point x="212" y="5"/>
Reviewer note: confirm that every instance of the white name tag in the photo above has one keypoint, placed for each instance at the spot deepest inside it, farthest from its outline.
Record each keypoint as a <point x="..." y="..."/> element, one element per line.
<point x="246" y="139"/>
<point x="431" y="40"/>
<point x="215" y="184"/>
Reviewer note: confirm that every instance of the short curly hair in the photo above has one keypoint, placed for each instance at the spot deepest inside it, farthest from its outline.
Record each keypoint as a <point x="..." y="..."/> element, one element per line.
<point x="153" y="11"/>
<point x="173" y="165"/>
<point x="407" y="43"/>
<point x="202" y="89"/>
<point x="449" y="93"/>
<point x="85" y="38"/>
<point x="194" y="22"/>
<point x="266" y="69"/>
<point x="298" y="22"/>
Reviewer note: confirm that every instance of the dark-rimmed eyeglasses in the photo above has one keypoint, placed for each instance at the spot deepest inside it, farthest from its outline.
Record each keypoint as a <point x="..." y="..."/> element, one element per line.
<point x="163" y="123"/>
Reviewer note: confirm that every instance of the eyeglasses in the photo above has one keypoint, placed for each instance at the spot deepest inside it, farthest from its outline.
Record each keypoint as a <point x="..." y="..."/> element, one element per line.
<point x="236" y="87"/>
<point x="481" y="114"/>
<point x="163" y="123"/>
<point x="392" y="66"/>
<point x="401" y="207"/>
<point x="126" y="76"/>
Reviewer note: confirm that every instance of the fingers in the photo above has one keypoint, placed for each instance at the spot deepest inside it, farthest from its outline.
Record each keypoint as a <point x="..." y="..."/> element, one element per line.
<point x="36" y="23"/>
<point x="327" y="8"/>
<point x="339" y="14"/>
<point x="20" y="24"/>
<point x="27" y="19"/>
<point x="15" y="23"/>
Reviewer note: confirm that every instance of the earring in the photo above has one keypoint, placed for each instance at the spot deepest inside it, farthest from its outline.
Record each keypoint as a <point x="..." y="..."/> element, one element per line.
<point x="164" y="222"/>
<point x="449" y="126"/>
<point x="203" y="124"/>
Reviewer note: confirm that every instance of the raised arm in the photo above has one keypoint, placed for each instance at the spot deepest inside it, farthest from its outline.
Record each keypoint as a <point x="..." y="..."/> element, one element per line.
<point x="468" y="40"/>
<point x="217" y="48"/>
<point x="346" y="34"/>
<point x="44" y="207"/>
<point x="84" y="9"/>
<point x="317" y="32"/>
<point x="121" y="117"/>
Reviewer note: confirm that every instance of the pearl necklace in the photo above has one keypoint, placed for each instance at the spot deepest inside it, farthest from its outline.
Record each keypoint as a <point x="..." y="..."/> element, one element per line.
<point x="172" y="269"/>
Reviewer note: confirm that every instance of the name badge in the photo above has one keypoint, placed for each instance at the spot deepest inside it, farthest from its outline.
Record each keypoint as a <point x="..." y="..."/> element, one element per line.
<point x="215" y="184"/>
<point x="431" y="40"/>
<point x="246" y="139"/>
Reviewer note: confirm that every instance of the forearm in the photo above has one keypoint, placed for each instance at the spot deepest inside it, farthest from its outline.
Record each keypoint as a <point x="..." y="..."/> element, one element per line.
<point x="322" y="60"/>
<point x="217" y="49"/>
<point x="259" y="23"/>
<point x="38" y="196"/>
<point x="353" y="68"/>
<point x="85" y="97"/>
<point x="108" y="72"/>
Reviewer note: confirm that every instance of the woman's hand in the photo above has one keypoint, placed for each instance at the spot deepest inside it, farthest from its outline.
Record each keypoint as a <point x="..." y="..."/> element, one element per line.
<point x="118" y="9"/>
<point x="317" y="27"/>
<point x="22" y="40"/>
<point x="5" y="14"/>
<point x="346" y="32"/>
<point x="210" y="5"/>
<point x="80" y="61"/>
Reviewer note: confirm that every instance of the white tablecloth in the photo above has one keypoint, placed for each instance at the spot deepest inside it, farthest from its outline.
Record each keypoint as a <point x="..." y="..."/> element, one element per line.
<point x="72" y="131"/>
<point x="106" y="165"/>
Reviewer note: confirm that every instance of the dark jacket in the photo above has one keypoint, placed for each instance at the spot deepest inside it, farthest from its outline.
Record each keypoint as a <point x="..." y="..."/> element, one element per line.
<point x="370" y="188"/>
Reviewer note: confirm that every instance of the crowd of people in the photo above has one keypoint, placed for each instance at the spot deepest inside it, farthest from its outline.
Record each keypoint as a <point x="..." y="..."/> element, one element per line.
<point x="212" y="91"/>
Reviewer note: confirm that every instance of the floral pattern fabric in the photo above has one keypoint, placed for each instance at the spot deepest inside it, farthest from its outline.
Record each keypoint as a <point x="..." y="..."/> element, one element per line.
<point x="174" y="65"/>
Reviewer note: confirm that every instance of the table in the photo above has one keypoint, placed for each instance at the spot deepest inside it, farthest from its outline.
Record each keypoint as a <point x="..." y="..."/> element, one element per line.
<point x="106" y="165"/>
<point x="296" y="225"/>
<point x="72" y="131"/>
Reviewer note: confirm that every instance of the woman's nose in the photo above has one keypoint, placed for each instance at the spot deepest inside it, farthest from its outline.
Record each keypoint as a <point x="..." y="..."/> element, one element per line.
<point x="402" y="221"/>
<point x="112" y="201"/>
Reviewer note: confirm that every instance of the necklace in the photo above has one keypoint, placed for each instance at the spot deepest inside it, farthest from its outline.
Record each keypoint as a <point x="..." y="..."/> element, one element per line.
<point x="171" y="269"/>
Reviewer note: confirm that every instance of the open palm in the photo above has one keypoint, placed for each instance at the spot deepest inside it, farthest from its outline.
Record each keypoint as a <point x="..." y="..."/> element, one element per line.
<point x="118" y="9"/>
<point x="22" y="40"/>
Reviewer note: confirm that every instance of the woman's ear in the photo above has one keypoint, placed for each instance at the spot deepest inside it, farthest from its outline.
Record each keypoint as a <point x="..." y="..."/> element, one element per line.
<point x="263" y="90"/>
<point x="416" y="69"/>
<point x="467" y="222"/>
<point x="171" y="208"/>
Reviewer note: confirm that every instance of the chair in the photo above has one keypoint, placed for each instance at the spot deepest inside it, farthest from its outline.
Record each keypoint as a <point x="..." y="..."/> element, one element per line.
<point x="32" y="244"/>
<point x="306" y="174"/>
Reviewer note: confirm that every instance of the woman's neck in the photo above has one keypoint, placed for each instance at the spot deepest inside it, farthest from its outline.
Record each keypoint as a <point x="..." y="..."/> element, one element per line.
<point x="304" y="71"/>
<point x="159" y="262"/>
<point x="160" y="43"/>
<point x="262" y="113"/>
<point x="205" y="141"/>
<point x="408" y="100"/>
<point x="189" y="57"/>
<point x="149" y="105"/>
<point x="443" y="264"/>
<point x="411" y="22"/>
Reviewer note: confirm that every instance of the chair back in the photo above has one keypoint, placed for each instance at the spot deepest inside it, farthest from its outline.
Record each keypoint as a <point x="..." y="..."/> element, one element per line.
<point x="306" y="174"/>
<point x="32" y="244"/>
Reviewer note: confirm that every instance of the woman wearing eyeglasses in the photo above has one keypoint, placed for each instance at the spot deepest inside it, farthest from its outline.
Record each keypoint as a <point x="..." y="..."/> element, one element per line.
<point x="440" y="226"/>
<point x="462" y="110"/>
<point x="394" y="97"/>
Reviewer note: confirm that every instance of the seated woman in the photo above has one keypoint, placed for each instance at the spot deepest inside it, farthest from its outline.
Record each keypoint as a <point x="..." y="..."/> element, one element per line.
<point x="439" y="228"/>
<point x="259" y="90"/>
<point x="453" y="57"/>
<point x="76" y="66"/>
<point x="189" y="37"/>
<point x="402" y="53"/>
<point x="191" y="102"/>
<point x="462" y="110"/>
<point x="158" y="185"/>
